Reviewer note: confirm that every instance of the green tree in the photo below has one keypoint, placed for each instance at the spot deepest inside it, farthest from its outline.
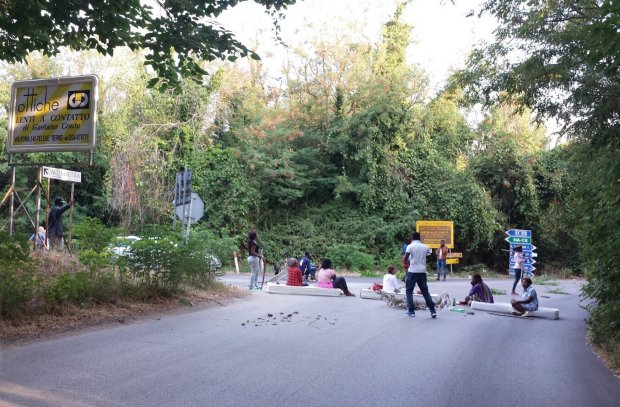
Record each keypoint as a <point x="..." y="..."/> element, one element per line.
<point x="176" y="34"/>
<point x="561" y="59"/>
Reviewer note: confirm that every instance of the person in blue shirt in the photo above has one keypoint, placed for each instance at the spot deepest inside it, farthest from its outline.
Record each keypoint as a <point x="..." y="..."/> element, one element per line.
<point x="529" y="299"/>
<point x="40" y="238"/>
<point x="307" y="268"/>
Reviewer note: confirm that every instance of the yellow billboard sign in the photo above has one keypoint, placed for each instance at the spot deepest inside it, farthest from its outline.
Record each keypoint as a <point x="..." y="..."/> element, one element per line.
<point x="433" y="231"/>
<point x="53" y="115"/>
<point x="452" y="261"/>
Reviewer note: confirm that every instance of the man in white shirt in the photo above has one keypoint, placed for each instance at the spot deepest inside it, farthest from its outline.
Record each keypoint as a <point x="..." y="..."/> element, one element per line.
<point x="416" y="254"/>
<point x="390" y="282"/>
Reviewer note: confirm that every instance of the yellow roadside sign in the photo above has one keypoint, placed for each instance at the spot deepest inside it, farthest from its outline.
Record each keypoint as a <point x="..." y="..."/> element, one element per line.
<point x="433" y="231"/>
<point x="58" y="114"/>
<point x="452" y="261"/>
<point x="455" y="255"/>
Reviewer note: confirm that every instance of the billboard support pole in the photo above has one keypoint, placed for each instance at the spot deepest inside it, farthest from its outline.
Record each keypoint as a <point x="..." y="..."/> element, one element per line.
<point x="38" y="215"/>
<point x="12" y="202"/>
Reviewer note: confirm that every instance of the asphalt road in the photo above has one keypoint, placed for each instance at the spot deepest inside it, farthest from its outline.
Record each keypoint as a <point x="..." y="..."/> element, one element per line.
<point x="328" y="352"/>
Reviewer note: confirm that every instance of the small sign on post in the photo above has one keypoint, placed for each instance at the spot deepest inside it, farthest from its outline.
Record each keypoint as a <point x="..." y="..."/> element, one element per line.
<point x="63" y="175"/>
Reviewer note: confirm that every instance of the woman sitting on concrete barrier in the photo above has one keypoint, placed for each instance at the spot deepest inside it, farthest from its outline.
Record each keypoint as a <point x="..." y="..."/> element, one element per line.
<point x="294" y="273"/>
<point x="327" y="278"/>
<point x="479" y="291"/>
<point x="529" y="299"/>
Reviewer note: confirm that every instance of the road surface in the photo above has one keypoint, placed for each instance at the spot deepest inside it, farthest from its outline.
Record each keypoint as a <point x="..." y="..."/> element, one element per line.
<point x="320" y="351"/>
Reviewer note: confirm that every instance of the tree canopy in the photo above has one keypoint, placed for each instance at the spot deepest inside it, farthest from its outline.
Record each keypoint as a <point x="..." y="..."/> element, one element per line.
<point x="176" y="34"/>
<point x="560" y="58"/>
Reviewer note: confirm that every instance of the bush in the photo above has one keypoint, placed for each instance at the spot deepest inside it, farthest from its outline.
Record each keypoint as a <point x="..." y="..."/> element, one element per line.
<point x="18" y="284"/>
<point x="351" y="257"/>
<point x="82" y="287"/>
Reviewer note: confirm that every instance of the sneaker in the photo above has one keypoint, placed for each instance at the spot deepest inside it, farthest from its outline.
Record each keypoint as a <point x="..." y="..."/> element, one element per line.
<point x="517" y="313"/>
<point x="526" y="314"/>
<point x="433" y="314"/>
<point x="410" y="314"/>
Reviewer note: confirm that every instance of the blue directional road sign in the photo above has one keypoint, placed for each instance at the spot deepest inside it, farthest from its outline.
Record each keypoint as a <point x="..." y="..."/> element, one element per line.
<point x="519" y="233"/>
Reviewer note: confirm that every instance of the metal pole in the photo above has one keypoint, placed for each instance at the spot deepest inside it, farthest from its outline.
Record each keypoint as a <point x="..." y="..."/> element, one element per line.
<point x="183" y="195"/>
<point x="189" y="214"/>
<point x="12" y="202"/>
<point x="236" y="262"/>
<point x="176" y="200"/>
<point x="71" y="215"/>
<point x="47" y="214"/>
<point x="38" y="216"/>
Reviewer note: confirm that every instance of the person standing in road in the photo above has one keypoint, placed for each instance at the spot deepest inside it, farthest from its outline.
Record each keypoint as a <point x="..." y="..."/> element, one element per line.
<point x="518" y="260"/>
<point x="54" y="224"/>
<point x="416" y="255"/>
<point x="254" y="258"/>
<point x="442" y="255"/>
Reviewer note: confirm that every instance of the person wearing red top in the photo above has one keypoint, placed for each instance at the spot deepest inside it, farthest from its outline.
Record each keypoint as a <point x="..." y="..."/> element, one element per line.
<point x="294" y="273"/>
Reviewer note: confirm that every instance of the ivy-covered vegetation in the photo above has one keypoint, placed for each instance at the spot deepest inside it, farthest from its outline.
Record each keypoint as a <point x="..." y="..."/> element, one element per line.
<point x="345" y="152"/>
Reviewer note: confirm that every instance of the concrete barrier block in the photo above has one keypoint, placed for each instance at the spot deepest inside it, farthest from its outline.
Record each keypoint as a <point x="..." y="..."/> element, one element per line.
<point x="506" y="308"/>
<point x="273" y="288"/>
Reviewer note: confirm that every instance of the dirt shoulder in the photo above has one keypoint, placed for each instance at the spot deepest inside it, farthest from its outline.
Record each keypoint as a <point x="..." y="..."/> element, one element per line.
<point x="70" y="319"/>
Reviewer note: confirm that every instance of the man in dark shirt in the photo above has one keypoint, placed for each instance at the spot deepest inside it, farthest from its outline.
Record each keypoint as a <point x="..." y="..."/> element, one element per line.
<point x="54" y="223"/>
<point x="307" y="268"/>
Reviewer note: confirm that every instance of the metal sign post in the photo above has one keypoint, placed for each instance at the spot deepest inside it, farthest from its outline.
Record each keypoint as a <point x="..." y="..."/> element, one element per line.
<point x="36" y="226"/>
<point x="523" y="238"/>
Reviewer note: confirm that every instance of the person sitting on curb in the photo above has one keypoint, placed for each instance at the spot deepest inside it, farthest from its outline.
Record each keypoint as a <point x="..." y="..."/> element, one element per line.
<point x="391" y="284"/>
<point x="294" y="273"/>
<point x="529" y="301"/>
<point x="327" y="278"/>
<point x="479" y="291"/>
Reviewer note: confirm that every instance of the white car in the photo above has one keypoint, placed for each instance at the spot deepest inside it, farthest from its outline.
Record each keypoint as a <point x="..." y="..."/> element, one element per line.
<point x="122" y="245"/>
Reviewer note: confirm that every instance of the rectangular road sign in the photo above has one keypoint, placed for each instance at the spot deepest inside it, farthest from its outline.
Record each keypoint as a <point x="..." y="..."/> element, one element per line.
<point x="455" y="255"/>
<point x="433" y="231"/>
<point x="518" y="240"/>
<point x="452" y="261"/>
<point x="525" y="261"/>
<point x="519" y="233"/>
<point x="63" y="175"/>
<point x="57" y="114"/>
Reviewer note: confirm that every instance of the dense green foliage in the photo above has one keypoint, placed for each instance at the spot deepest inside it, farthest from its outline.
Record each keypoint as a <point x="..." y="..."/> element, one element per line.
<point x="177" y="34"/>
<point x="562" y="59"/>
<point x="343" y="155"/>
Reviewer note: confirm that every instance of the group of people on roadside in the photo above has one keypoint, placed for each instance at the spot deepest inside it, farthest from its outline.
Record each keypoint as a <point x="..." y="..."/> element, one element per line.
<point x="298" y="272"/>
<point x="414" y="260"/>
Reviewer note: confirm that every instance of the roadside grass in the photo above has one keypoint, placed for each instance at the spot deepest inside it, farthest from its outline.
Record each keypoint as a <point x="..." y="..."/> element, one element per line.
<point x="496" y="291"/>
<point x="557" y="291"/>
<point x="544" y="280"/>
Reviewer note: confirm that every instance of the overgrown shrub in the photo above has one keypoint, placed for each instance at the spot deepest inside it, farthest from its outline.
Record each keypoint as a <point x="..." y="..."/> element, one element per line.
<point x="351" y="257"/>
<point x="18" y="284"/>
